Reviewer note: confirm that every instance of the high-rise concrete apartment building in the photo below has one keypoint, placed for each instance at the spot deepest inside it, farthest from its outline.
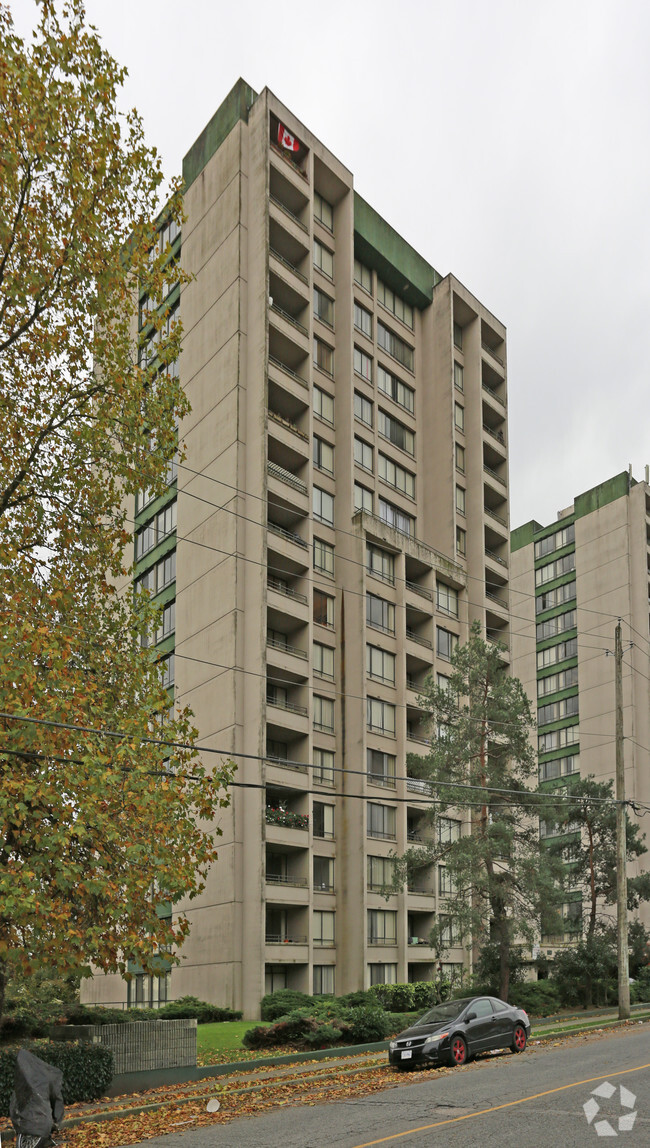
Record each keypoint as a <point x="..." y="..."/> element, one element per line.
<point x="570" y="583"/>
<point x="340" y="518"/>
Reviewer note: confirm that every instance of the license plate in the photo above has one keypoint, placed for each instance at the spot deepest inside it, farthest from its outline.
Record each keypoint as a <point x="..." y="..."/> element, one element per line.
<point x="407" y="1055"/>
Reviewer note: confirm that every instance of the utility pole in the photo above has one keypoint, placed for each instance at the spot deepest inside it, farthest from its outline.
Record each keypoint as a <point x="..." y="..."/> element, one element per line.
<point x="621" y="844"/>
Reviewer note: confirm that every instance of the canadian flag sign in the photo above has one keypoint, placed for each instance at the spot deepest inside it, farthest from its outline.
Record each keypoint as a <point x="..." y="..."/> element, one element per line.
<point x="286" y="140"/>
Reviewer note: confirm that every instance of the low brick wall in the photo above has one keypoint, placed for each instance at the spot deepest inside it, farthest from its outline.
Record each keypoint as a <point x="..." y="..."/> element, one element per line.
<point x="141" y="1045"/>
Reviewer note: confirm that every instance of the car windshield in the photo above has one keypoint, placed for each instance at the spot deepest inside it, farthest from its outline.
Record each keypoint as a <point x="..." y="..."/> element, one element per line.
<point x="443" y="1012"/>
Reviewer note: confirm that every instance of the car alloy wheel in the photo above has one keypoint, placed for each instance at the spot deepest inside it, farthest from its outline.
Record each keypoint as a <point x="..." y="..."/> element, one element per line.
<point x="458" y="1050"/>
<point x="518" y="1039"/>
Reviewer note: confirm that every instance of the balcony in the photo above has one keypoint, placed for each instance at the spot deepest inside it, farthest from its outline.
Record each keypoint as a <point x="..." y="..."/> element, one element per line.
<point x="281" y="703"/>
<point x="423" y="591"/>
<point x="279" y="642"/>
<point x="288" y="425"/>
<point x="496" y="517"/>
<point x="288" y="251"/>
<point x="496" y="558"/>
<point x="494" y="475"/>
<point x="496" y="435"/>
<point x="285" y="939"/>
<point x="283" y="475"/>
<point x="280" y="586"/>
<point x="420" y="639"/>
<point x="288" y="535"/>
<point x="287" y="880"/>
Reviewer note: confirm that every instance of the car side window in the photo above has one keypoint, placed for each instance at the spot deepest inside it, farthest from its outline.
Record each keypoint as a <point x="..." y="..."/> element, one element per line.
<point x="498" y="1006"/>
<point x="482" y="1007"/>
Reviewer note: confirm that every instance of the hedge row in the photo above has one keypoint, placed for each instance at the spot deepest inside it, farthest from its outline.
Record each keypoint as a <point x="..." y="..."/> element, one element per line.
<point x="321" y="1026"/>
<point x="87" y="1069"/>
<point x="25" y="1024"/>
<point x="393" y="998"/>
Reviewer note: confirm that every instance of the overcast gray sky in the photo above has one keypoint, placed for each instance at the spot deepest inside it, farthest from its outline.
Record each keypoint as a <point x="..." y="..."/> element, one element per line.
<point x="528" y="125"/>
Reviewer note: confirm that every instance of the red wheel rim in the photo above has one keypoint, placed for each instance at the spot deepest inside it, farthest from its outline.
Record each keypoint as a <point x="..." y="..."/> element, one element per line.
<point x="458" y="1051"/>
<point x="520" y="1038"/>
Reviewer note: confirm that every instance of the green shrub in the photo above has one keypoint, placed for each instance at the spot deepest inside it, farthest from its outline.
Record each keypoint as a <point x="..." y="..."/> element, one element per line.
<point x="538" y="998"/>
<point x="323" y="1036"/>
<point x="425" y="995"/>
<point x="189" y="1008"/>
<point x="640" y="990"/>
<point x="368" y="1024"/>
<point x="354" y="1000"/>
<point x="87" y="1070"/>
<point x="394" y="998"/>
<point x="398" y="1021"/>
<point x="279" y="1004"/>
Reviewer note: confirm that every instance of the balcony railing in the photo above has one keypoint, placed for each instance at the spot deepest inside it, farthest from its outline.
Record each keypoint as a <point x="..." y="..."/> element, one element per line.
<point x="286" y="818"/>
<point x="497" y="517"/>
<point x="288" y="370"/>
<point x="492" y="393"/>
<point x="285" y="939"/>
<point x="286" y="879"/>
<point x="289" y="535"/>
<point x="417" y="737"/>
<point x="286" y="476"/>
<point x="420" y="941"/>
<point x="277" y="644"/>
<point x="487" y="347"/>
<point x="423" y="591"/>
<point x="283" y="207"/>
<point x="280" y="588"/>
<point x="501" y="561"/>
<point x="284" y="764"/>
<point x="288" y="424"/>
<point x="417" y="638"/>
<point x="418" y="785"/>
<point x="289" y="318"/>
<point x="495" y="598"/>
<point x="381" y="779"/>
<point x="286" y="263"/>
<point x="493" y="474"/>
<point x="497" y="434"/>
<point x="290" y="707"/>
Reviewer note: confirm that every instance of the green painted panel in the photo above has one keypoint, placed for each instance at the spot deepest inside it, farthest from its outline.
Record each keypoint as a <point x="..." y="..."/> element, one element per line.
<point x="379" y="246"/>
<point x="235" y="107"/>
<point x="603" y="494"/>
<point x="523" y="535"/>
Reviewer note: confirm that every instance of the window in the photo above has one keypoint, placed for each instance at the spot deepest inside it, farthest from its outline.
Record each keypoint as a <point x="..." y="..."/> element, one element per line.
<point x="380" y="716"/>
<point x="362" y="320"/>
<point x="276" y="695"/>
<point x="461" y="541"/>
<point x="558" y="653"/>
<point x="382" y="927"/>
<point x="396" y="432"/>
<point x="555" y="541"/>
<point x="323" y="984"/>
<point x="323" y="609"/>
<point x="380" y="821"/>
<point x="276" y="750"/>
<point x="362" y="498"/>
<point x="380" y="664"/>
<point x="380" y="614"/>
<point x="160" y="575"/>
<point x="154" y="531"/>
<point x="458" y="336"/>
<point x="397" y="518"/>
<point x="323" y="259"/>
<point x="323" y="870"/>
<point x="380" y="768"/>
<point x="447" y="599"/>
<point x="448" y="830"/>
<point x="394" y="346"/>
<point x="556" y="711"/>
<point x="556" y="597"/>
<point x="394" y="303"/>
<point x="380" y="873"/>
<point x="446" y="643"/>
<point x="459" y="417"/>
<point x="559" y="767"/>
<point x="442" y="682"/>
<point x="323" y="406"/>
<point x="323" y="506"/>
<point x="556" y="625"/>
<point x="323" y="766"/>
<point x="324" y="357"/>
<point x="323" y="307"/>
<point x="556" y="682"/>
<point x="323" y="714"/>
<point x="449" y="935"/>
<point x="555" y="569"/>
<point x="380" y="563"/>
<point x="323" y="212"/>
<point x="558" y="738"/>
<point x="323" y="927"/>
<point x="323" y="661"/>
<point x="323" y="455"/>
<point x="363" y="452"/>
<point x="167" y="666"/>
<point x="460" y="500"/>
<point x="323" y="819"/>
<point x="166" y="627"/>
<point x="323" y="557"/>
<point x="382" y="974"/>
<point x="363" y="276"/>
<point x="458" y="377"/>
<point x="362" y="409"/>
<point x="460" y="457"/>
<point x="446" y="885"/>
<point x="395" y="389"/>
<point x="362" y="364"/>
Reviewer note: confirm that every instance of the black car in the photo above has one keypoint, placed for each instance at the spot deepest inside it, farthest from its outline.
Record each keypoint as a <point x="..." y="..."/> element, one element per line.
<point x="453" y="1032"/>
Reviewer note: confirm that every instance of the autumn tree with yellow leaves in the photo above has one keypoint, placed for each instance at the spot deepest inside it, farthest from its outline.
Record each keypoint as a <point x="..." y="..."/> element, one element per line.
<point x="105" y="811"/>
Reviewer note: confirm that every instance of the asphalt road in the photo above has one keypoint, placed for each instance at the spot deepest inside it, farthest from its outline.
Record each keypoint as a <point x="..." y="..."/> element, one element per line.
<point x="534" y="1099"/>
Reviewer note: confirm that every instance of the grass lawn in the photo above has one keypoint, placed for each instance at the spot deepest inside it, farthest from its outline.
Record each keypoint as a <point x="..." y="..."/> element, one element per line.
<point x="222" y="1035"/>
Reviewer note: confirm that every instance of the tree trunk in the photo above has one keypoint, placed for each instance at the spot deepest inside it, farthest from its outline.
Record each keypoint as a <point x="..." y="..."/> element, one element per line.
<point x="504" y="961"/>
<point x="3" y="986"/>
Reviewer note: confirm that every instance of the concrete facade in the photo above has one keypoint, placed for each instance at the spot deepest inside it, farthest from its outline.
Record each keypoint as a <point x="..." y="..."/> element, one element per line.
<point x="570" y="583"/>
<point x="342" y="516"/>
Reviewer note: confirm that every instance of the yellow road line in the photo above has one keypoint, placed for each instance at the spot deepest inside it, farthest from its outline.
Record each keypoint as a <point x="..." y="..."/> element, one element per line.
<point x="497" y="1107"/>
